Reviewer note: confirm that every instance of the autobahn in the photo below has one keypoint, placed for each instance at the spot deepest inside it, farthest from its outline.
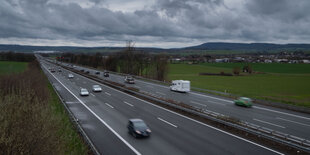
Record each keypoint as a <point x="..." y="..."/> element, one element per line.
<point x="104" y="117"/>
<point x="285" y="121"/>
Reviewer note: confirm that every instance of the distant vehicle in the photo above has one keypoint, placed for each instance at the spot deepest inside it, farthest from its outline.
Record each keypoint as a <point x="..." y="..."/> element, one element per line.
<point x="53" y="70"/>
<point x="180" y="86"/>
<point x="59" y="70"/>
<point x="137" y="128"/>
<point x="70" y="76"/>
<point x="97" y="72"/>
<point x="84" y="92"/>
<point x="129" y="79"/>
<point x="106" y="74"/>
<point x="82" y="70"/>
<point x="49" y="68"/>
<point x="97" y="88"/>
<point x="243" y="101"/>
<point x="87" y="72"/>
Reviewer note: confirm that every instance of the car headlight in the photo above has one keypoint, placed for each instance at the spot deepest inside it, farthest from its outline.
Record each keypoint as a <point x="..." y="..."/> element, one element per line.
<point x="138" y="132"/>
<point x="148" y="130"/>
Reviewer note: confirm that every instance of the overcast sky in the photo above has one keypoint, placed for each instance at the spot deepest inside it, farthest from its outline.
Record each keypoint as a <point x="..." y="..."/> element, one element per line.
<point x="153" y="23"/>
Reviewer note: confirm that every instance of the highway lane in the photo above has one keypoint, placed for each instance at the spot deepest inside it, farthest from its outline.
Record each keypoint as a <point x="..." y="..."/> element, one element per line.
<point x="290" y="122"/>
<point x="100" y="135"/>
<point x="188" y="137"/>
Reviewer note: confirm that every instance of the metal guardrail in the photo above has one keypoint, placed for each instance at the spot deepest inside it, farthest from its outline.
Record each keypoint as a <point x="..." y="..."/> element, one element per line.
<point x="289" y="140"/>
<point x="75" y="120"/>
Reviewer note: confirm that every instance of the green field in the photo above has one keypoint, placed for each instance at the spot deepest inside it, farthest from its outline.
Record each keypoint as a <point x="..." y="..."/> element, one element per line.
<point x="9" y="67"/>
<point x="288" y="83"/>
<point x="267" y="67"/>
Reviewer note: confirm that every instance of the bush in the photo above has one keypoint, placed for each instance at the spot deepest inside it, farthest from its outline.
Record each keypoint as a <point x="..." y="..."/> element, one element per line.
<point x="236" y="70"/>
<point x="29" y="124"/>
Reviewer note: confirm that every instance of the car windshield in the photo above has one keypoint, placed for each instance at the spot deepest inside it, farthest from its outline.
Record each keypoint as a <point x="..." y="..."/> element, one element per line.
<point x="96" y="86"/>
<point x="245" y="99"/>
<point x="83" y="90"/>
<point x="140" y="125"/>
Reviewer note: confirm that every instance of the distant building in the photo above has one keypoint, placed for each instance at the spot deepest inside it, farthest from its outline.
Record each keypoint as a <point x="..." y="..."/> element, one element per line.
<point x="222" y="60"/>
<point x="281" y="60"/>
<point x="267" y="61"/>
<point x="305" y="61"/>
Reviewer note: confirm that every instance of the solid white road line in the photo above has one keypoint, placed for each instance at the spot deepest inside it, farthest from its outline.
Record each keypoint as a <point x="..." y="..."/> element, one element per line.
<point x="211" y="97"/>
<point x="102" y="121"/>
<point x="160" y="93"/>
<point x="268" y="123"/>
<point x="284" y="113"/>
<point x="109" y="105"/>
<point x="128" y="103"/>
<point x="72" y="102"/>
<point x="167" y="122"/>
<point x="107" y="93"/>
<point x="293" y="121"/>
<point x="216" y="102"/>
<point x="206" y="125"/>
<point x="197" y="103"/>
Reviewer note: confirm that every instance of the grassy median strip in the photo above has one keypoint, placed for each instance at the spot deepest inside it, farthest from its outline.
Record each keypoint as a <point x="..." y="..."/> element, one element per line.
<point x="32" y="119"/>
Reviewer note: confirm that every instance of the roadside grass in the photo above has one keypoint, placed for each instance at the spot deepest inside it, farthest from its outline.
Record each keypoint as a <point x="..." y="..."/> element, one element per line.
<point x="33" y="121"/>
<point x="9" y="67"/>
<point x="287" y="88"/>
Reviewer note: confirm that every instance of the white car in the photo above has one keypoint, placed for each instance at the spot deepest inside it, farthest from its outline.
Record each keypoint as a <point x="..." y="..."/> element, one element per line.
<point x="97" y="88"/>
<point x="84" y="92"/>
<point x="70" y="76"/>
<point x="129" y="79"/>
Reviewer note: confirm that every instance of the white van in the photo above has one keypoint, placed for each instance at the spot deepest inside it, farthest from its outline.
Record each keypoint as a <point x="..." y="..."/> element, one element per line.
<point x="180" y="85"/>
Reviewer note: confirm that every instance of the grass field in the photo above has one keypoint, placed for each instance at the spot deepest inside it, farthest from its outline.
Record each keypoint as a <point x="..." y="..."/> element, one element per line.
<point x="267" y="67"/>
<point x="288" y="83"/>
<point x="9" y="67"/>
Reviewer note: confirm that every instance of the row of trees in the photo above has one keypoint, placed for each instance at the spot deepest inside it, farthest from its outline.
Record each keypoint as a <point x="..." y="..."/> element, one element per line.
<point x="12" y="56"/>
<point x="129" y="61"/>
<point x="245" y="69"/>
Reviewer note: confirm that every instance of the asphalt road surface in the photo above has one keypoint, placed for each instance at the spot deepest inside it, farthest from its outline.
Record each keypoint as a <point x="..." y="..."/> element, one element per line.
<point x="286" y="121"/>
<point x="104" y="117"/>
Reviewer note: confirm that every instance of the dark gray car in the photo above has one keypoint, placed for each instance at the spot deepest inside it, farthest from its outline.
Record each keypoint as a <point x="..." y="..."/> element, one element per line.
<point x="137" y="128"/>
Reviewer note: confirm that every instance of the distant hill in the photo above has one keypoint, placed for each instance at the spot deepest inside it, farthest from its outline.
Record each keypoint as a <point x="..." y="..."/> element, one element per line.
<point x="212" y="46"/>
<point x="26" y="48"/>
<point x="249" y="47"/>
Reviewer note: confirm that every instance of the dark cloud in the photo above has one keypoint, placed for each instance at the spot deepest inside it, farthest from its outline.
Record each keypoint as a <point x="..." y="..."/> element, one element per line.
<point x="164" y="21"/>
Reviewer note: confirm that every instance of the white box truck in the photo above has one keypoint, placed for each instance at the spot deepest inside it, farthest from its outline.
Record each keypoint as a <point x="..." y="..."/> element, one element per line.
<point x="180" y="86"/>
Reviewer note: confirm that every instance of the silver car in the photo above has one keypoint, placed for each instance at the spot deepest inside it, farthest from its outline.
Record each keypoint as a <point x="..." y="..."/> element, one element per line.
<point x="97" y="88"/>
<point x="70" y="76"/>
<point x="84" y="92"/>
